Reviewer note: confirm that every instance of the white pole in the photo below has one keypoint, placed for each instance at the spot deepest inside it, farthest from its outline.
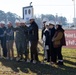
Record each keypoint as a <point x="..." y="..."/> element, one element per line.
<point x="74" y="12"/>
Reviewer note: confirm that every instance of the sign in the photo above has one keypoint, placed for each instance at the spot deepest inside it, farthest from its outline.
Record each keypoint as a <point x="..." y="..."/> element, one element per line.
<point x="27" y="13"/>
<point x="70" y="36"/>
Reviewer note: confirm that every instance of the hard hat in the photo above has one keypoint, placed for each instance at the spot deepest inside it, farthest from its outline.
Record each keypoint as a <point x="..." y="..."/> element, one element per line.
<point x="45" y="19"/>
<point x="2" y="22"/>
<point x="22" y="21"/>
<point x="47" y="24"/>
<point x="58" y="23"/>
<point x="8" y="22"/>
<point x="17" y="21"/>
<point x="52" y="22"/>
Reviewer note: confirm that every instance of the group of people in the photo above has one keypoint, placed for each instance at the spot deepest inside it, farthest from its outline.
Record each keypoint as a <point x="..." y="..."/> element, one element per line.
<point x="26" y="36"/>
<point x="53" y="40"/>
<point x="23" y="35"/>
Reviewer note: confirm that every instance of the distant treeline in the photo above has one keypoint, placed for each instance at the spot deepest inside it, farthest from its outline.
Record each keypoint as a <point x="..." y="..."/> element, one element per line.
<point x="12" y="17"/>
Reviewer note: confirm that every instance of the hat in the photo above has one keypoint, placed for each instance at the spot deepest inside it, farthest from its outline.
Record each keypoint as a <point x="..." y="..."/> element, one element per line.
<point x="47" y="24"/>
<point x="22" y="21"/>
<point x="8" y="22"/>
<point x="52" y="22"/>
<point x="45" y="19"/>
<point x="17" y="21"/>
<point x="58" y="23"/>
<point x="2" y="22"/>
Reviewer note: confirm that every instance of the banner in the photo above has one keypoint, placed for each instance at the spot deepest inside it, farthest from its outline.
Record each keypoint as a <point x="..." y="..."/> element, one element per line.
<point x="27" y="12"/>
<point x="70" y="36"/>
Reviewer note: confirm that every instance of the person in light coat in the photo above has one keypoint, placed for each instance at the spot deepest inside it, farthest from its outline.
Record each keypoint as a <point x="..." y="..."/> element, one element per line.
<point x="46" y="41"/>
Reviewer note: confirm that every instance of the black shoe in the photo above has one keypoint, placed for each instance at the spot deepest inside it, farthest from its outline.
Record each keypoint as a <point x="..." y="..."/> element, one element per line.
<point x="60" y="63"/>
<point x="25" y="59"/>
<point x="45" y="59"/>
<point x="20" y="60"/>
<point x="31" y="60"/>
<point x="38" y="61"/>
<point x="48" y="60"/>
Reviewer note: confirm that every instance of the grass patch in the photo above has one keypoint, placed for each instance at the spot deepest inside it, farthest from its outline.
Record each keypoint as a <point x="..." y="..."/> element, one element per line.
<point x="8" y="67"/>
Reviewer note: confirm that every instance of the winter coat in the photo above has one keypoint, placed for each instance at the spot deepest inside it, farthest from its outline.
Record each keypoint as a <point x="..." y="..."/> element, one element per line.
<point x="9" y="34"/>
<point x="42" y="32"/>
<point x="51" y="34"/>
<point x="4" y="34"/>
<point x="20" y="34"/>
<point x="1" y="32"/>
<point x="33" y="32"/>
<point x="46" y="34"/>
<point x="59" y="39"/>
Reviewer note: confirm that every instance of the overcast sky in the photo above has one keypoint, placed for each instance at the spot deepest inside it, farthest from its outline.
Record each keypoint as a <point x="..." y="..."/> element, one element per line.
<point x="61" y="7"/>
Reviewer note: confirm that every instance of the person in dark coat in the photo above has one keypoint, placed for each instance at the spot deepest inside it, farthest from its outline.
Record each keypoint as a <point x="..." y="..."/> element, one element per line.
<point x="10" y="41"/>
<point x="24" y="42"/>
<point x="59" y="41"/>
<point x="3" y="40"/>
<point x="51" y="34"/>
<point x="20" y="39"/>
<point x="16" y="29"/>
<point x="33" y="31"/>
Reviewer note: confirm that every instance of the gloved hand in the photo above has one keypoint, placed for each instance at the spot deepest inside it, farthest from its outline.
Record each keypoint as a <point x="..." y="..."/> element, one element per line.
<point x="46" y="47"/>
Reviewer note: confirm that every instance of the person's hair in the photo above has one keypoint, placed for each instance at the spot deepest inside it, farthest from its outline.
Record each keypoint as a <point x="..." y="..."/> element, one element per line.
<point x="60" y="28"/>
